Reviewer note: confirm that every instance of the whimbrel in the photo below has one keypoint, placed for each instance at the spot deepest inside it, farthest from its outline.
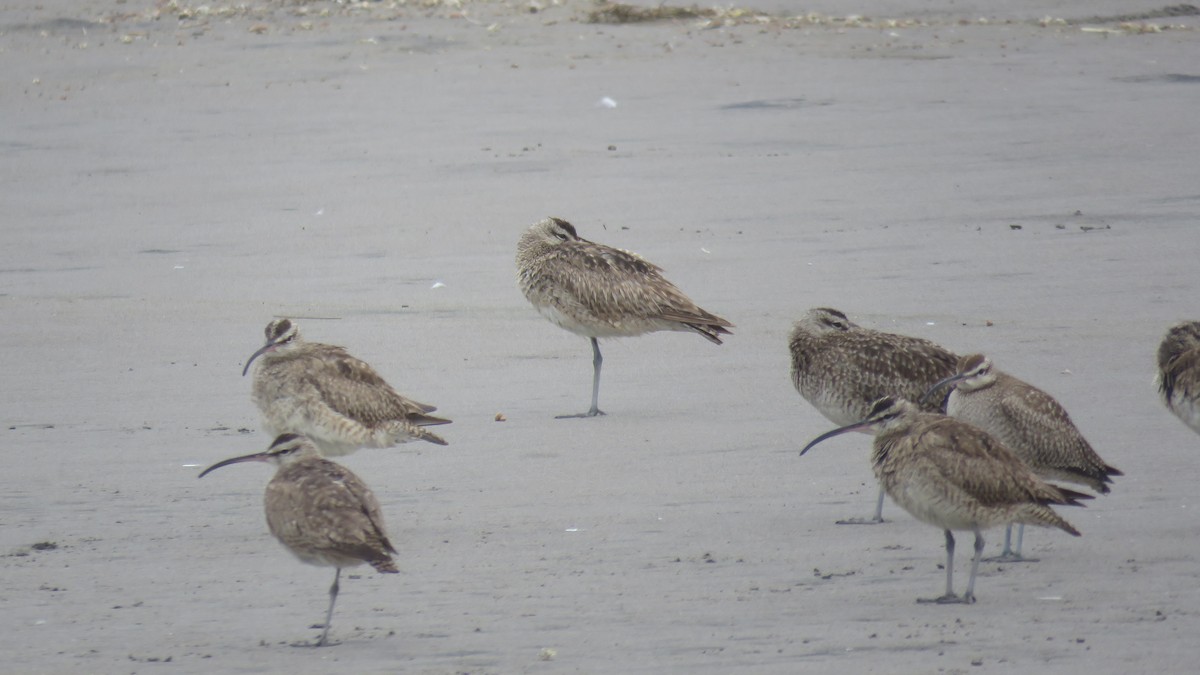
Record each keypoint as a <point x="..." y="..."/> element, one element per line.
<point x="842" y="368"/>
<point x="598" y="291"/>
<point x="1179" y="372"/>
<point x="338" y="401"/>
<point x="321" y="512"/>
<point x="1027" y="421"/>
<point x="951" y="474"/>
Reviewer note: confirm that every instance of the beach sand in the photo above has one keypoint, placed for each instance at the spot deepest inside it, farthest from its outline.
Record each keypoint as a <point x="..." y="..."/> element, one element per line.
<point x="1015" y="180"/>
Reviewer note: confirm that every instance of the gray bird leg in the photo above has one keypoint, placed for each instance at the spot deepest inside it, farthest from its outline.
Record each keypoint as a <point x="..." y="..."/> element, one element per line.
<point x="949" y="564"/>
<point x="969" y="596"/>
<point x="597" y="361"/>
<point x="950" y="597"/>
<point x="874" y="520"/>
<point x="333" y="593"/>
<point x="1008" y="555"/>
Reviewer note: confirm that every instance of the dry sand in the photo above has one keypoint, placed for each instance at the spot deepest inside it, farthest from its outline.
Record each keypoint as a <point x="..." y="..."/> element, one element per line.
<point x="173" y="178"/>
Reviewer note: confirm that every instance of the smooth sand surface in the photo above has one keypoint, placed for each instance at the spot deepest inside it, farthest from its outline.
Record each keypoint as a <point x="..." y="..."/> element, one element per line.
<point x="174" y="177"/>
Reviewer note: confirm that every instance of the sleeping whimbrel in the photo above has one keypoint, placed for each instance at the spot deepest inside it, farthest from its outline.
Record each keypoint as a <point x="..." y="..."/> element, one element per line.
<point x="339" y="402"/>
<point x="948" y="473"/>
<point x="321" y="512"/>
<point x="597" y="291"/>
<point x="1027" y="421"/>
<point x="1179" y="372"/>
<point x="842" y="368"/>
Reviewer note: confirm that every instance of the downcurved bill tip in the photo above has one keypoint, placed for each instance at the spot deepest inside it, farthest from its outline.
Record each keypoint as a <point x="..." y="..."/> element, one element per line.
<point x="256" y="457"/>
<point x="261" y="350"/>
<point x="938" y="385"/>
<point x="830" y="434"/>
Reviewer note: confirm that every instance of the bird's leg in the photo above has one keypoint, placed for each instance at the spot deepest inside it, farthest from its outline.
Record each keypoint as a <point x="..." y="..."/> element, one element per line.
<point x="949" y="564"/>
<point x="969" y="596"/>
<point x="333" y="593"/>
<point x="874" y="520"/>
<point x="597" y="361"/>
<point x="1008" y="555"/>
<point x="950" y="597"/>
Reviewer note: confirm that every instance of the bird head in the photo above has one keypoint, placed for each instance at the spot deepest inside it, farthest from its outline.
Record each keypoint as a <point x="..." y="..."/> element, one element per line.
<point x="282" y="335"/>
<point x="285" y="449"/>
<point x="884" y="412"/>
<point x="974" y="372"/>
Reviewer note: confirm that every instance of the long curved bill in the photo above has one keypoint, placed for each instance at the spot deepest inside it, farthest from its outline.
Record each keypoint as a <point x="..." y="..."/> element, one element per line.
<point x="261" y="350"/>
<point x="836" y="432"/>
<point x="256" y="457"/>
<point x="938" y="385"/>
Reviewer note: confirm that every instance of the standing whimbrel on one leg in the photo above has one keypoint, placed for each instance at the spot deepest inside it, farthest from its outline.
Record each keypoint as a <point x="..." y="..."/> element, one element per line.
<point x="1179" y="372"/>
<point x="597" y="291"/>
<point x="842" y="368"/>
<point x="1029" y="422"/>
<point x="321" y="512"/>
<point x="951" y="474"/>
<point x="338" y="401"/>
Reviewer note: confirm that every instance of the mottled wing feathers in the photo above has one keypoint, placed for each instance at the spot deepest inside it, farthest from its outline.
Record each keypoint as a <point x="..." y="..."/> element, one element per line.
<point x="858" y="366"/>
<point x="912" y="359"/>
<point x="319" y="506"/>
<point x="610" y="282"/>
<point x="1027" y="407"/>
<point x="978" y="465"/>
<point x="607" y="260"/>
<point x="352" y="388"/>
<point x="371" y="406"/>
<point x="1042" y="427"/>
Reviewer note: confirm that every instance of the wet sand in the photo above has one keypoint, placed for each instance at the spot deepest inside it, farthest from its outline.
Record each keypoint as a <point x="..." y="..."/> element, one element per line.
<point x="1020" y="185"/>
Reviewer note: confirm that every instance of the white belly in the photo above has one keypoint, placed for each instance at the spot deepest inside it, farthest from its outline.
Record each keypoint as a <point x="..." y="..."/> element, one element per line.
<point x="1187" y="410"/>
<point x="593" y="326"/>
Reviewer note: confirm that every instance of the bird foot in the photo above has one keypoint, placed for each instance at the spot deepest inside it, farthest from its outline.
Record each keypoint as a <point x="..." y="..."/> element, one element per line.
<point x="322" y="641"/>
<point x="1010" y="557"/>
<point x="948" y="599"/>
<point x="860" y="521"/>
<point x="590" y="413"/>
<point x="319" y="642"/>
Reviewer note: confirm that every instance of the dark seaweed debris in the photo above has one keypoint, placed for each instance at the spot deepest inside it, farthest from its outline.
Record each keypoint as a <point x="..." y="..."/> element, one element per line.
<point x="616" y="12"/>
<point x="1168" y="11"/>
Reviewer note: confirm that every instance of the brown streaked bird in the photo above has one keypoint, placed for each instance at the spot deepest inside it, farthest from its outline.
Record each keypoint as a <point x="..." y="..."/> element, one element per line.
<point x="955" y="476"/>
<point x="1179" y="372"/>
<point x="598" y="291"/>
<point x="842" y="368"/>
<point x="1029" y="422"/>
<point x="338" y="401"/>
<point x="321" y="512"/>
